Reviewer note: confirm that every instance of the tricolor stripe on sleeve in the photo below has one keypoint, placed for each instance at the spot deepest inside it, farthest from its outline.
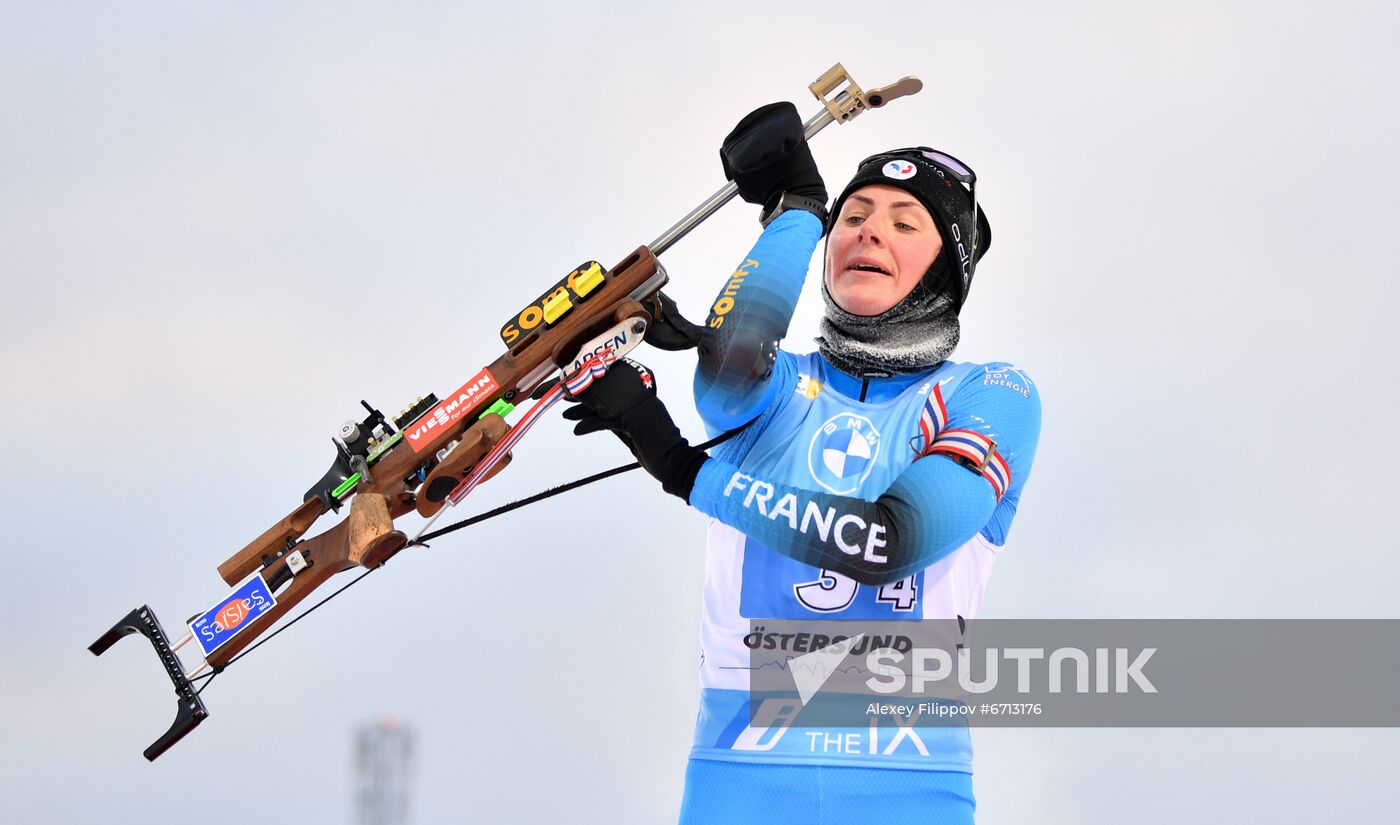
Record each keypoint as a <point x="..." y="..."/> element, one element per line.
<point x="980" y="452"/>
<point x="934" y="417"/>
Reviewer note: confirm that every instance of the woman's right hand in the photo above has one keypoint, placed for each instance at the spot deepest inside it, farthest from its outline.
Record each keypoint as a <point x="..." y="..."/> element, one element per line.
<point x="766" y="155"/>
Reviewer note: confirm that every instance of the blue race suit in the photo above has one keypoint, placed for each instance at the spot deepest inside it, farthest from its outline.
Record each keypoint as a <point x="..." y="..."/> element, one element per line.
<point x="882" y="499"/>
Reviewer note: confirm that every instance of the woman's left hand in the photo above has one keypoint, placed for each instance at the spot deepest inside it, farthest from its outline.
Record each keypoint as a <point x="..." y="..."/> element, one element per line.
<point x="624" y="401"/>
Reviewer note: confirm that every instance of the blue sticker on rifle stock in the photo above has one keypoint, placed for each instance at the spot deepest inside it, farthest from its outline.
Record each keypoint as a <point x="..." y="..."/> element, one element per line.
<point x="233" y="614"/>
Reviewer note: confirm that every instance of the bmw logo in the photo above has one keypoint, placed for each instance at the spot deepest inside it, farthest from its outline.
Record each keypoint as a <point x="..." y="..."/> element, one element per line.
<point x="843" y="452"/>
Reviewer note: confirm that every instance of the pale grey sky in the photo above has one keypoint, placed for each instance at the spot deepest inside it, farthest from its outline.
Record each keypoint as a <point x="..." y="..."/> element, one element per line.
<point x="221" y="226"/>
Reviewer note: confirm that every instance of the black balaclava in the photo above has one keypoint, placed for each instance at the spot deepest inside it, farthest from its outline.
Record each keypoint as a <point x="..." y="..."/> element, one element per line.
<point x="922" y="329"/>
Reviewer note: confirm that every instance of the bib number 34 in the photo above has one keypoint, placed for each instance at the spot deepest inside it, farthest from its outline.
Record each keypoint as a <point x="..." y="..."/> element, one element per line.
<point x="833" y="592"/>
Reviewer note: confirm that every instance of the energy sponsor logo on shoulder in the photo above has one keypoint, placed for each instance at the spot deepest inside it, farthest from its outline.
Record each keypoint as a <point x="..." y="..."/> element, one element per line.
<point x="843" y="452"/>
<point x="1009" y="376"/>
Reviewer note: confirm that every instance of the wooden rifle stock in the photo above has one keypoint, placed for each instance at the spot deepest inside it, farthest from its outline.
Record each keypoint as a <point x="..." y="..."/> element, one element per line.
<point x="272" y="542"/>
<point x="520" y="371"/>
<point x="365" y="538"/>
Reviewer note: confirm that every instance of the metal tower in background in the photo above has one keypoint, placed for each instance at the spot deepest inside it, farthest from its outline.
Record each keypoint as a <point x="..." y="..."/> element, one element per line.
<point x="383" y="767"/>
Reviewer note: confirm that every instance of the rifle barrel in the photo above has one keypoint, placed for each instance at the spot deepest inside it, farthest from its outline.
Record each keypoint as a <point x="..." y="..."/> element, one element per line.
<point x="712" y="204"/>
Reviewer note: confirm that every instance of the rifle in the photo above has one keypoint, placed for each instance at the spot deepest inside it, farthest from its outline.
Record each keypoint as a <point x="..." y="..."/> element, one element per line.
<point x="437" y="451"/>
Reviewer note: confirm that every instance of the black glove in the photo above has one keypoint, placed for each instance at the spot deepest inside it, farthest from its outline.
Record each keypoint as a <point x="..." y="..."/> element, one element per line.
<point x="624" y="400"/>
<point x="766" y="155"/>
<point x="669" y="329"/>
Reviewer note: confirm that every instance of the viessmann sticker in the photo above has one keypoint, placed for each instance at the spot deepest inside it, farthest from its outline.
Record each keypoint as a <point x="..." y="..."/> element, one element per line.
<point x="420" y="433"/>
<point x="235" y="613"/>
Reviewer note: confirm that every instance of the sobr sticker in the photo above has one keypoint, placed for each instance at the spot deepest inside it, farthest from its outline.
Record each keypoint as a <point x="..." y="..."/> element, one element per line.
<point x="237" y="611"/>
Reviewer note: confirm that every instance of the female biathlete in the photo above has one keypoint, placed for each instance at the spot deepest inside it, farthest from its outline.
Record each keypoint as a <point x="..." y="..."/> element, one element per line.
<point x="872" y="480"/>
